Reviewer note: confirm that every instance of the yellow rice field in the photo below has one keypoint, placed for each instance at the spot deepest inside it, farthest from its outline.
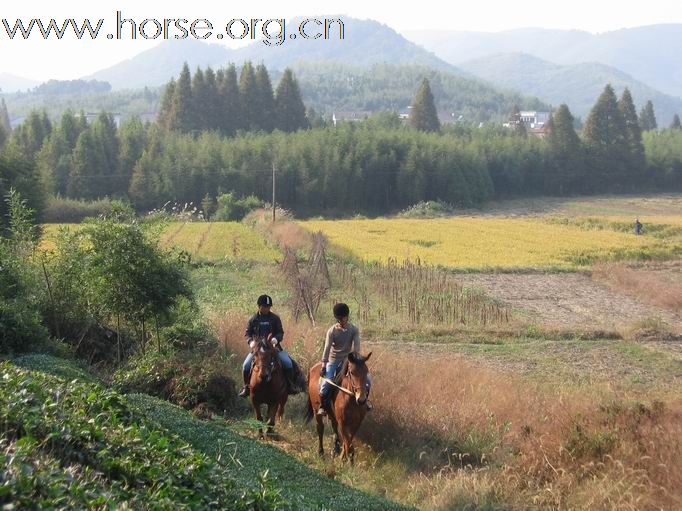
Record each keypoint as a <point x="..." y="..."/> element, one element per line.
<point x="213" y="241"/>
<point x="478" y="243"/>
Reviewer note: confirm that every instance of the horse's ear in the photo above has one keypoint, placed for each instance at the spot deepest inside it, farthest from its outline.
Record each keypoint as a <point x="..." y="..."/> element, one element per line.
<point x="368" y="355"/>
<point x="351" y="357"/>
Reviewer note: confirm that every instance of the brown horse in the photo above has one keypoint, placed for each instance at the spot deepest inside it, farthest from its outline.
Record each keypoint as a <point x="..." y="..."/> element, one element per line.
<point x="348" y="405"/>
<point x="268" y="384"/>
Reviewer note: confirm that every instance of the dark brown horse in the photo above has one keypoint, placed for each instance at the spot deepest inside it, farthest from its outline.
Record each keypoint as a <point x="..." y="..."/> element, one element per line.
<point x="268" y="384"/>
<point x="348" y="404"/>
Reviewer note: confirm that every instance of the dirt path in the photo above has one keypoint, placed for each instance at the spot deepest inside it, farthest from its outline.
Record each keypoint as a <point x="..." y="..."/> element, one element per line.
<point x="568" y="300"/>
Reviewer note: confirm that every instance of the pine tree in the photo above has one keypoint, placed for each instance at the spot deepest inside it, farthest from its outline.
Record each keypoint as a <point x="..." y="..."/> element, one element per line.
<point x="105" y="136"/>
<point x="676" y="125"/>
<point x="164" y="118"/>
<point x="142" y="189"/>
<point x="423" y="115"/>
<point x="607" y="143"/>
<point x="290" y="114"/>
<point x="213" y="116"/>
<point x="5" y="125"/>
<point x="85" y="179"/>
<point x="201" y="106"/>
<point x="228" y="93"/>
<point x="647" y="117"/>
<point x="32" y="133"/>
<point x="182" y="117"/>
<point x="633" y="133"/>
<point x="565" y="152"/>
<point x="266" y="100"/>
<point x="71" y="127"/>
<point x="248" y="97"/>
<point x="55" y="163"/>
<point x="133" y="139"/>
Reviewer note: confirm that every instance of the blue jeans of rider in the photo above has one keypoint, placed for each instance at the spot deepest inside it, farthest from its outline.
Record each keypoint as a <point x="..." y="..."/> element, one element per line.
<point x="283" y="356"/>
<point x="329" y="372"/>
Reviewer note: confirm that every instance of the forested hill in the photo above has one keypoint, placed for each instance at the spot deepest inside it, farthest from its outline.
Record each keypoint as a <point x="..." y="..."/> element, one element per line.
<point x="576" y="85"/>
<point x="325" y="87"/>
<point x="332" y="87"/>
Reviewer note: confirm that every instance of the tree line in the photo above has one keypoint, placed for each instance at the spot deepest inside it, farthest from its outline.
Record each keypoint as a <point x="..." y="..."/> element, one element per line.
<point x="376" y="166"/>
<point x="221" y="101"/>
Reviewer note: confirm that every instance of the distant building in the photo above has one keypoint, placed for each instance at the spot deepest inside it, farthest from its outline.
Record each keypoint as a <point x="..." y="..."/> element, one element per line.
<point x="350" y="116"/>
<point x="443" y="117"/>
<point x="533" y="119"/>
<point x="536" y="123"/>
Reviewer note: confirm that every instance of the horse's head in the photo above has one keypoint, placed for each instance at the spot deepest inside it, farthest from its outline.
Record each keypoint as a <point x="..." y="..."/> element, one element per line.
<point x="265" y="361"/>
<point x="357" y="372"/>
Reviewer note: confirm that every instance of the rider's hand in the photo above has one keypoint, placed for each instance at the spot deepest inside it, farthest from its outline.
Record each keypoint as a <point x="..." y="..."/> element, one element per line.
<point x="252" y="343"/>
<point x="274" y="341"/>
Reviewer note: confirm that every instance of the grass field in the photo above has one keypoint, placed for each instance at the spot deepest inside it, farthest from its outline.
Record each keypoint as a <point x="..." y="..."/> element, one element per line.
<point x="481" y="243"/>
<point x="205" y="241"/>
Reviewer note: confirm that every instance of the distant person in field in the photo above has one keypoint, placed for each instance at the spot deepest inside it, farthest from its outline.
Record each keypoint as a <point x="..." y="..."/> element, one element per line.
<point x="638" y="227"/>
<point x="267" y="325"/>
<point x="342" y="338"/>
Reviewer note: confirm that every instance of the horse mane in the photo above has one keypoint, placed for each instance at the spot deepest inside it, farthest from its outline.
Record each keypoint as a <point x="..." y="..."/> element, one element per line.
<point x="358" y="360"/>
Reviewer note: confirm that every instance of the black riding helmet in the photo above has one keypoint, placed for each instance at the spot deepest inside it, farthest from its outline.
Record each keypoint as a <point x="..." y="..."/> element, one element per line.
<point x="341" y="310"/>
<point x="264" y="300"/>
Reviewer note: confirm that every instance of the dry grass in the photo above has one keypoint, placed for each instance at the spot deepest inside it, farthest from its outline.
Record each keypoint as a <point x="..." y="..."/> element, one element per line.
<point x="645" y="285"/>
<point x="471" y="437"/>
<point x="493" y="437"/>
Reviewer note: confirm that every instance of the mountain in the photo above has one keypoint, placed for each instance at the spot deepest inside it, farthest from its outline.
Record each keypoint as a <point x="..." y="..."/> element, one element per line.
<point x="577" y="85"/>
<point x="650" y="53"/>
<point x="366" y="42"/>
<point x="158" y="65"/>
<point x="13" y="83"/>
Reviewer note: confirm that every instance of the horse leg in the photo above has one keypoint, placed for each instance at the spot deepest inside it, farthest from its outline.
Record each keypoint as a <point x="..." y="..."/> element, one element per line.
<point x="280" y="408"/>
<point x="320" y="434"/>
<point x="272" y="411"/>
<point x="337" y="441"/>
<point x="259" y="418"/>
<point x="346" y="439"/>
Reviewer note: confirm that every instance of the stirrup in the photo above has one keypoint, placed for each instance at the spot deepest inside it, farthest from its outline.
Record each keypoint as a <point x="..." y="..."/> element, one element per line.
<point x="321" y="411"/>
<point x="246" y="390"/>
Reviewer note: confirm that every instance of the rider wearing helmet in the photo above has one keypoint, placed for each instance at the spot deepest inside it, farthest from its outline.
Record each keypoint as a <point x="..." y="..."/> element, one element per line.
<point x="265" y="324"/>
<point x="342" y="338"/>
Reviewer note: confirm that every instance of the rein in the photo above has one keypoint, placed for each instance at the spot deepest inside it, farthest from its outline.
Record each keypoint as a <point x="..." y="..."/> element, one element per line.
<point x="342" y="389"/>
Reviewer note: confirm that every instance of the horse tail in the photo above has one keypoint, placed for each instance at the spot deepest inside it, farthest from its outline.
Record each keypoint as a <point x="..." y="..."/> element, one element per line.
<point x="309" y="412"/>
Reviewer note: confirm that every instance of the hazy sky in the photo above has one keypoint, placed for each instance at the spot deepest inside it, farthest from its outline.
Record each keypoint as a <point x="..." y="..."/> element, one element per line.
<point x="71" y="58"/>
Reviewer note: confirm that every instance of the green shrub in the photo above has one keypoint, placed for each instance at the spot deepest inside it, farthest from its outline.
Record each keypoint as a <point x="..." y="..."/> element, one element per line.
<point x="197" y="380"/>
<point x="232" y="209"/>
<point x="21" y="326"/>
<point x="427" y="209"/>
<point x="62" y="210"/>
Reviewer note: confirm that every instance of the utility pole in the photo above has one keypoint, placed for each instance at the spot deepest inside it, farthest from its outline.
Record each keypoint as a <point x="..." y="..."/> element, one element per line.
<point x="273" y="191"/>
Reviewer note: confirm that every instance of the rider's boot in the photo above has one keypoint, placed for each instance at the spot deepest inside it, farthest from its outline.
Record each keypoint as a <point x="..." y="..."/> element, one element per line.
<point x="325" y="405"/>
<point x="246" y="389"/>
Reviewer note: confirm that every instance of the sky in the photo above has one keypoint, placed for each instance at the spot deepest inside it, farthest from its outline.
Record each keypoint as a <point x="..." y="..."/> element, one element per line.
<point x="70" y="58"/>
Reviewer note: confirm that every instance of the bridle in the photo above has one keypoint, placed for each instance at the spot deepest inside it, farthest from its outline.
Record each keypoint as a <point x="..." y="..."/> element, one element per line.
<point x="354" y="388"/>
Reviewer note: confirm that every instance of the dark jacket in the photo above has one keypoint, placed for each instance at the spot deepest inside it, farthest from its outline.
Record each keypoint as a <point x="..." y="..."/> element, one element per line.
<point x="261" y="325"/>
